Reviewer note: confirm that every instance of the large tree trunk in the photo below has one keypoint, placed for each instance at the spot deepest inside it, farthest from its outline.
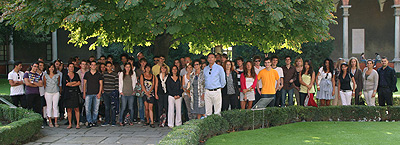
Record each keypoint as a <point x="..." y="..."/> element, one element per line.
<point x="162" y="43"/>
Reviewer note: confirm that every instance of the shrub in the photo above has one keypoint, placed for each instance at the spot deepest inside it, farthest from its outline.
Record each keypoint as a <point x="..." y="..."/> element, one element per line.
<point x="25" y="124"/>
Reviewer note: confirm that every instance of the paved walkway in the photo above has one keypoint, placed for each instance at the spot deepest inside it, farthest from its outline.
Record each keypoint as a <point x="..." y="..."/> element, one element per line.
<point x="136" y="134"/>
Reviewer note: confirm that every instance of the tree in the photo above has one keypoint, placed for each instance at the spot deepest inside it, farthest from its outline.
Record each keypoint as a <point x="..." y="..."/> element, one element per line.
<point x="203" y="24"/>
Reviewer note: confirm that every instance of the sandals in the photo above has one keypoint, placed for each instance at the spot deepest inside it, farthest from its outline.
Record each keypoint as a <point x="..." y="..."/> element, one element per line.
<point x="131" y="124"/>
<point x="152" y="126"/>
<point x="121" y="124"/>
<point x="145" y="124"/>
<point x="78" y="127"/>
<point x="51" y="125"/>
<point x="69" y="127"/>
<point x="56" y="125"/>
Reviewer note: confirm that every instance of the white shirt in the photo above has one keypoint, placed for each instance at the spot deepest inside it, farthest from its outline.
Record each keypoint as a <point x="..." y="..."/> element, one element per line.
<point x="280" y="73"/>
<point x="257" y="71"/>
<point x="16" y="90"/>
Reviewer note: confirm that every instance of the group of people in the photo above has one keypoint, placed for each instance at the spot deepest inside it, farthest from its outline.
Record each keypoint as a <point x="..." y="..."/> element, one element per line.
<point x="138" y="92"/>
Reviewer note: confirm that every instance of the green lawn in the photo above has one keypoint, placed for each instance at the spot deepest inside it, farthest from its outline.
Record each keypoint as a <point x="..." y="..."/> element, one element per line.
<point x="4" y="87"/>
<point x="316" y="133"/>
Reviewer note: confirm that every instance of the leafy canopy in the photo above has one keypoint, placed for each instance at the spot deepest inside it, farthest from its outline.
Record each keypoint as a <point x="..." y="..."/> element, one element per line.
<point x="203" y="24"/>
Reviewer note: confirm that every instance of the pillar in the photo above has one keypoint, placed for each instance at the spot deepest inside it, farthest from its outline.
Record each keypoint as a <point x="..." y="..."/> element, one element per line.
<point x="98" y="51"/>
<point x="396" y="59"/>
<point x="11" y="53"/>
<point x="54" y="45"/>
<point x="346" y="31"/>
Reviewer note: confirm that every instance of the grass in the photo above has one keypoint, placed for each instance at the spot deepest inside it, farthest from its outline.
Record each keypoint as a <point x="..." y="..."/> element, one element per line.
<point x="4" y="87"/>
<point x="316" y="133"/>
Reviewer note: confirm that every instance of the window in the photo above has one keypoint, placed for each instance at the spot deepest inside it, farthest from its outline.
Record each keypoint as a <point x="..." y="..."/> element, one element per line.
<point x="3" y="52"/>
<point x="49" y="52"/>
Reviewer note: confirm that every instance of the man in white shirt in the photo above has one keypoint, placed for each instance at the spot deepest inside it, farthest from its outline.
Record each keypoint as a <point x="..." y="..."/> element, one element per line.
<point x="278" y="95"/>
<point x="16" y="80"/>
<point x="257" y="68"/>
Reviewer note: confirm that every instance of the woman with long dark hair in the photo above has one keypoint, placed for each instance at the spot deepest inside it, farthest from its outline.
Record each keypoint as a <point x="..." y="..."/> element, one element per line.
<point x="127" y="82"/>
<point x="346" y="90"/>
<point x="71" y="90"/>
<point x="326" y="83"/>
<point x="51" y="85"/>
<point x="174" y="90"/>
<point x="230" y="93"/>
<point x="147" y="81"/>
<point x="197" y="90"/>
<point x="307" y="79"/>
<point x="248" y="83"/>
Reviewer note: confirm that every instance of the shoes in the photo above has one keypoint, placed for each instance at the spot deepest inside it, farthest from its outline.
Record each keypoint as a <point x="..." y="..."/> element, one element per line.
<point x="42" y="127"/>
<point x="152" y="126"/>
<point x="113" y="124"/>
<point x="89" y="125"/>
<point x="56" y="125"/>
<point x="94" y="125"/>
<point x="145" y="124"/>
<point x="105" y="124"/>
<point x="51" y="125"/>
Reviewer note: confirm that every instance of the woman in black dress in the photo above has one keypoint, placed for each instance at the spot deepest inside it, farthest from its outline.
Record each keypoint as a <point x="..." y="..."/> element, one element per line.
<point x="71" y="84"/>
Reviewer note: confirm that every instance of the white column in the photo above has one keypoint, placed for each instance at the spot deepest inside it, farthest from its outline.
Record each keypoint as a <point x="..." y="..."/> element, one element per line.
<point x="11" y="53"/>
<point x="54" y="45"/>
<point x="98" y="51"/>
<point x="396" y="59"/>
<point x="346" y="31"/>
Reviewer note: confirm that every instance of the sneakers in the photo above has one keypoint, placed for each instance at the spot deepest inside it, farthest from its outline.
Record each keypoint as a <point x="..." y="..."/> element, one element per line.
<point x="89" y="125"/>
<point x="113" y="124"/>
<point x="105" y="124"/>
<point x="94" y="125"/>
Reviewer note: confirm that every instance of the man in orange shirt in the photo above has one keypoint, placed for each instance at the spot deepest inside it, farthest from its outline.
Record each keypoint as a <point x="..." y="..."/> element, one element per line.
<point x="268" y="77"/>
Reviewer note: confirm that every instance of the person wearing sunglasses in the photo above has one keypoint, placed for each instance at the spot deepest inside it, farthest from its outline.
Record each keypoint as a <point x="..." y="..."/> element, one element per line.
<point x="16" y="82"/>
<point x="214" y="77"/>
<point x="257" y="69"/>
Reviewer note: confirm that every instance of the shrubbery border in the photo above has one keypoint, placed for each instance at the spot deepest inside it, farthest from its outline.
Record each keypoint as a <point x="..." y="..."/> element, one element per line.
<point x="25" y="124"/>
<point x="194" y="131"/>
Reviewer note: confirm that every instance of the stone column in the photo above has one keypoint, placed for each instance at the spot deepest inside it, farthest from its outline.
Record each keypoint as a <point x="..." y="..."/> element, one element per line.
<point x="11" y="53"/>
<point x="54" y="50"/>
<point x="396" y="59"/>
<point x="98" y="51"/>
<point x="346" y="31"/>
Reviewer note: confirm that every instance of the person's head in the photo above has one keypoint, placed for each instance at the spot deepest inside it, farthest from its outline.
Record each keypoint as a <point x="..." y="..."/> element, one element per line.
<point x="174" y="71"/>
<point x="249" y="69"/>
<point x="40" y="59"/>
<point x="127" y="69"/>
<point x="307" y="67"/>
<point x="51" y="69"/>
<point x="18" y="65"/>
<point x="102" y="67"/>
<point x="370" y="64"/>
<point x="140" y="55"/>
<point x="93" y="65"/>
<point x="339" y="62"/>
<point x="102" y="59"/>
<point x="182" y="60"/>
<point x="218" y="62"/>
<point x="328" y="64"/>
<point x="228" y="65"/>
<point x="211" y="58"/>
<point x="197" y="64"/>
<point x="41" y="66"/>
<point x="177" y="63"/>
<point x="156" y="59"/>
<point x="92" y="58"/>
<point x="274" y="60"/>
<point x="224" y="57"/>
<point x="203" y="59"/>
<point x="353" y="62"/>
<point x="288" y="60"/>
<point x="362" y="54"/>
<point x="376" y="53"/>
<point x="124" y="58"/>
<point x="71" y="67"/>
<point x="257" y="60"/>
<point x="116" y="67"/>
<point x="218" y="56"/>
<point x="110" y="58"/>
<point x="35" y="67"/>
<point x="343" y="68"/>
<point x="147" y="68"/>
<point x="385" y="61"/>
<point x="161" y="59"/>
<point x="203" y="65"/>
<point x="298" y="62"/>
<point x="143" y="62"/>
<point x="189" y="68"/>
<point x="267" y="62"/>
<point x="109" y="66"/>
<point x="77" y="60"/>
<point x="239" y="61"/>
<point x="131" y="60"/>
<point x="164" y="69"/>
<point x="83" y="64"/>
<point x="57" y="63"/>
<point x="188" y="60"/>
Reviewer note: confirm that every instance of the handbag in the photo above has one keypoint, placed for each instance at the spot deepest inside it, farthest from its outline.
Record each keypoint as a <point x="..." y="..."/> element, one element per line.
<point x="351" y="83"/>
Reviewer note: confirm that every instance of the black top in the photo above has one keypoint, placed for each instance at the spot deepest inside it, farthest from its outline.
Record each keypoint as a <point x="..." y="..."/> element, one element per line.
<point x="65" y="88"/>
<point x="92" y="82"/>
<point x="235" y="84"/>
<point x="160" y="90"/>
<point x="387" y="78"/>
<point x="174" y="88"/>
<point x="297" y="81"/>
<point x="345" y="83"/>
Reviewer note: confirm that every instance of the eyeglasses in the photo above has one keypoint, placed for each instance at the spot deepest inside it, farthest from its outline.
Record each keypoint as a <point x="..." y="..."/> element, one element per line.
<point x="196" y="64"/>
<point x="257" y="61"/>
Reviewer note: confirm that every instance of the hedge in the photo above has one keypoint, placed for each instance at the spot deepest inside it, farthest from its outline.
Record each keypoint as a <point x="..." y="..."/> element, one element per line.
<point x="25" y="124"/>
<point x="196" y="131"/>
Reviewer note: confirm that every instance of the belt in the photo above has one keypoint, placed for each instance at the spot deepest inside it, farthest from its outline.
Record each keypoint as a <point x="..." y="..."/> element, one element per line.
<point x="384" y="86"/>
<point x="213" y="89"/>
<point x="346" y="90"/>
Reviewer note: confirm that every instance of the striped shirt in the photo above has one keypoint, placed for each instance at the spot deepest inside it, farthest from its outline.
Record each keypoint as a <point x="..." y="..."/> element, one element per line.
<point x="110" y="82"/>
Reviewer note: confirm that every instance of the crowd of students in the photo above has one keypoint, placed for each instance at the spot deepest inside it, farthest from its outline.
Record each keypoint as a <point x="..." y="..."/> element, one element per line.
<point x="136" y="92"/>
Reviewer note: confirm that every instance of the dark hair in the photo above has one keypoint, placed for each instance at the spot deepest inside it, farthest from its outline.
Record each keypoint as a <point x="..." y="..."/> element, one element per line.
<point x="331" y="67"/>
<point x="70" y="64"/>
<point x="197" y="60"/>
<point x="273" y="57"/>
<point x="16" y="63"/>
<point x="310" y="70"/>
<point x="203" y="57"/>
<point x="83" y="61"/>
<point x="57" y="60"/>
<point x="256" y="57"/>
<point x="177" y="73"/>
<point x="362" y="53"/>
<point x="110" y="56"/>
<point x="91" y="56"/>
<point x="117" y="68"/>
<point x="130" y="71"/>
<point x="142" y="59"/>
<point x="108" y="62"/>
<point x="156" y="57"/>
<point x="370" y="60"/>
<point x="225" y="56"/>
<point x="124" y="55"/>
<point x="92" y="62"/>
<point x="384" y="57"/>
<point x="147" y="65"/>
<point x="287" y="56"/>
<point x="224" y="65"/>
<point x="268" y="58"/>
<point x="239" y="58"/>
<point x="76" y="57"/>
<point x="252" y="73"/>
<point x="210" y="54"/>
<point x="161" y="56"/>
<point x="48" y="68"/>
<point x="102" y="56"/>
<point x="35" y="63"/>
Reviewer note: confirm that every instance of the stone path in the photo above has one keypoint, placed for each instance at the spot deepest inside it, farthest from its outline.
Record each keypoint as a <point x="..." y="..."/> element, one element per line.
<point x="132" y="135"/>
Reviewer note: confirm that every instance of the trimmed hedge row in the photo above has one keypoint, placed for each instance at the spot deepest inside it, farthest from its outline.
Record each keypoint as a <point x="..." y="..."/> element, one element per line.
<point x="194" y="131"/>
<point x="25" y="124"/>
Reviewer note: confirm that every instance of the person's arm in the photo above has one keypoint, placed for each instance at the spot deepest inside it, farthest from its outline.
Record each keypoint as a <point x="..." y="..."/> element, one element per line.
<point x="134" y="80"/>
<point x="84" y="87"/>
<point x="156" y="88"/>
<point x="255" y="83"/>
<point x="44" y="81"/>
<point x="319" y="75"/>
<point x="222" y="77"/>
<point x="354" y="86"/>
<point x="312" y="80"/>
<point x="394" y="82"/>
<point x="100" y="89"/>
<point x="142" y="84"/>
<point x="376" y="81"/>
<point x="301" y="80"/>
<point x="243" y="82"/>
<point x="169" y="86"/>
<point x="28" y="82"/>
<point x="120" y="83"/>
<point x="152" y="86"/>
<point x="333" y="84"/>
<point x="280" y="82"/>
<point x="361" y="81"/>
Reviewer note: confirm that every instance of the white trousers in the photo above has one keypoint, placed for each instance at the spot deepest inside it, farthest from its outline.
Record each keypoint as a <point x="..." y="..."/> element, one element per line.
<point x="174" y="104"/>
<point x="368" y="98"/>
<point x="346" y="97"/>
<point x="52" y="104"/>
<point x="213" y="98"/>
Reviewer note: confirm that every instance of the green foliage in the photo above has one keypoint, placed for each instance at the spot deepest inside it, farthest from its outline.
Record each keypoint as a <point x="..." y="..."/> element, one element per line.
<point x="237" y="120"/>
<point x="25" y="124"/>
<point x="267" y="24"/>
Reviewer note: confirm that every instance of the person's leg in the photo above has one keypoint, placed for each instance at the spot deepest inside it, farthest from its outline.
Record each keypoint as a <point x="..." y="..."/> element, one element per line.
<point x="250" y="105"/>
<point x="141" y="108"/>
<point x="357" y="98"/>
<point x="88" y="108"/>
<point x="381" y="98"/>
<point x="233" y="101"/>
<point x="283" y="97"/>
<point x="96" y="109"/>
<point x="69" y="114"/>
<point x="277" y="98"/>
<point x="160" y="105"/>
<point x="272" y="103"/>
<point x="16" y="100"/>
<point x="389" y="97"/>
<point x="131" y="109"/>
<point x="290" y="97"/>
<point x="107" y="107"/>
<point x="328" y="103"/>
<point x="208" y="102"/>
<point x="29" y="98"/>
<point x="151" y="113"/>
<point x="225" y="102"/>
<point x="258" y="96"/>
<point x="322" y="102"/>
<point x="302" y="98"/>
<point x="146" y="110"/>
<point x="188" y="108"/>
<point x="49" y="103"/>
<point x="297" y="95"/>
<point x="77" y="114"/>
<point x="171" y="105"/>
<point x="56" y="98"/>
<point x="38" y="107"/>
<point x="217" y="101"/>
<point x="123" y="108"/>
<point x="155" y="111"/>
<point x="135" y="108"/>
<point x="178" y="119"/>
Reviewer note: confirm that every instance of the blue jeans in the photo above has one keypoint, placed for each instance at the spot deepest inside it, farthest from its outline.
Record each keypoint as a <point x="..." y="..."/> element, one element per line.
<point x="126" y="100"/>
<point x="290" y="97"/>
<point x="92" y="108"/>
<point x="141" y="108"/>
<point x="109" y="111"/>
<point x="272" y="103"/>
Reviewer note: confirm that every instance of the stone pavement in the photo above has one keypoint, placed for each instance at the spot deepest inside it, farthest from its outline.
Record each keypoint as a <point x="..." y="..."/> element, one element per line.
<point x="132" y="135"/>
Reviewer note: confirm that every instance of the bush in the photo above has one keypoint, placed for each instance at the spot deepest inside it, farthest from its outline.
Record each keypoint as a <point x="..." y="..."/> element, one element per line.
<point x="236" y="120"/>
<point x="25" y="124"/>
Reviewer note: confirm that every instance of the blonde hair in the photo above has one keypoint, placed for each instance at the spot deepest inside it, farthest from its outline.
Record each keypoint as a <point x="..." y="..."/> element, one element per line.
<point x="357" y="63"/>
<point x="298" y="59"/>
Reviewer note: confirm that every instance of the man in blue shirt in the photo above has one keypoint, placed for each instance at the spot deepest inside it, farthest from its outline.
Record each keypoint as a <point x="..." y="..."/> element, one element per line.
<point x="214" y="77"/>
<point x="387" y="83"/>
